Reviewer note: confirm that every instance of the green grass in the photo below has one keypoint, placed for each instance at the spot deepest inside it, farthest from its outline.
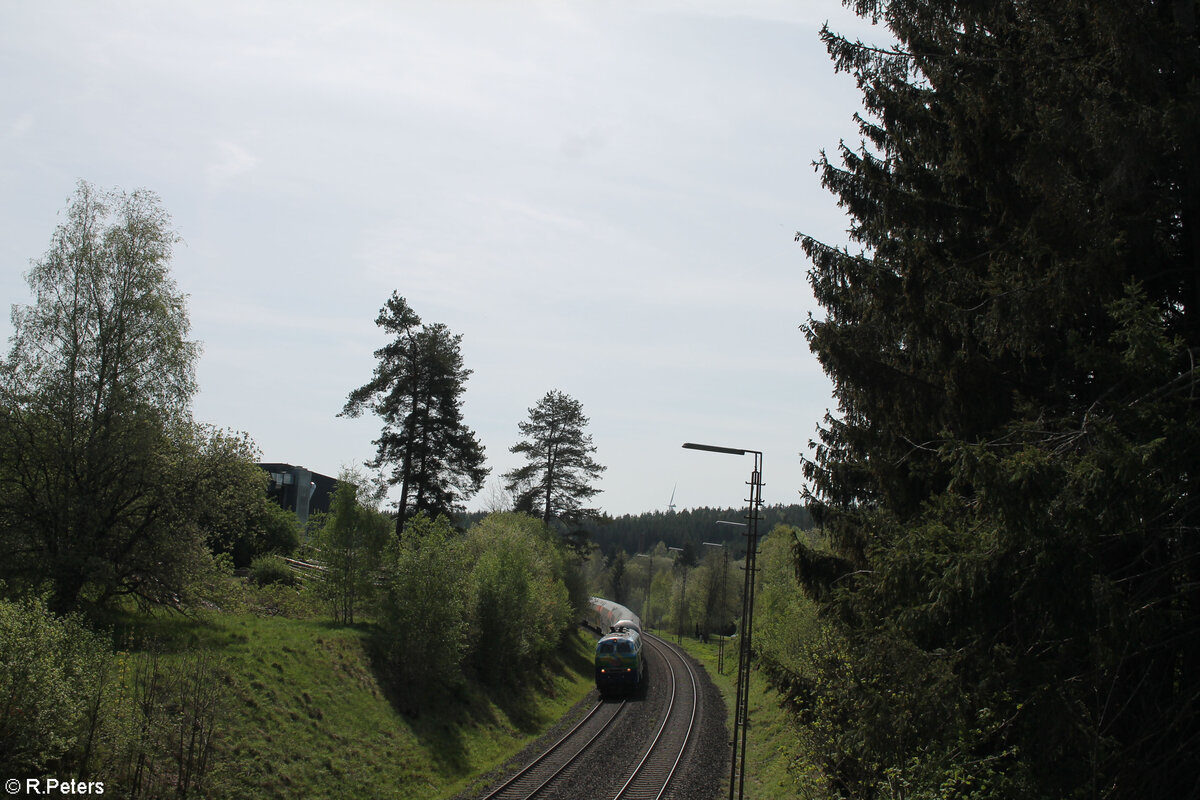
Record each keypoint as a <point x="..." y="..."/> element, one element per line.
<point x="772" y="741"/>
<point x="308" y="716"/>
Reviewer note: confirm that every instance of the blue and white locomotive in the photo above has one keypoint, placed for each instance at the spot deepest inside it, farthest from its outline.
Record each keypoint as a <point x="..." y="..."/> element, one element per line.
<point x="620" y="663"/>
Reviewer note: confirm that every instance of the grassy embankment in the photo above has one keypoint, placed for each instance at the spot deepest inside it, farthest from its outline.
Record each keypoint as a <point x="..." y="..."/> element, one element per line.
<point x="308" y="715"/>
<point x="770" y="771"/>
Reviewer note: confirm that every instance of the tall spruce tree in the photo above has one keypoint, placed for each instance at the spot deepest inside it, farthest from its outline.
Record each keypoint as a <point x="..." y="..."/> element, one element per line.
<point x="417" y="389"/>
<point x="1009" y="483"/>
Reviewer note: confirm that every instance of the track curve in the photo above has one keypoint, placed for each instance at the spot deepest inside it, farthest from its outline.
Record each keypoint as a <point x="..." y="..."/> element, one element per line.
<point x="633" y="759"/>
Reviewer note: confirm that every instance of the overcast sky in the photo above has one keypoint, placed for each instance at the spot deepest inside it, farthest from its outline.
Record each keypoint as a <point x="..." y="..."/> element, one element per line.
<point x="601" y="197"/>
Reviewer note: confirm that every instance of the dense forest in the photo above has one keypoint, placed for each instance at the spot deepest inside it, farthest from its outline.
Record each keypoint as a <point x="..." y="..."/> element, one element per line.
<point x="637" y="533"/>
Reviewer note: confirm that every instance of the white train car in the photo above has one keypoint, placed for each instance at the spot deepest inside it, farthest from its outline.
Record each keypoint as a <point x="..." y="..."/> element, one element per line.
<point x="605" y="616"/>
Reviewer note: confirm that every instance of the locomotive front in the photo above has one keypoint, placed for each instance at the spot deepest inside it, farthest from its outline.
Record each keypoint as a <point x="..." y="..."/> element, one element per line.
<point x="619" y="660"/>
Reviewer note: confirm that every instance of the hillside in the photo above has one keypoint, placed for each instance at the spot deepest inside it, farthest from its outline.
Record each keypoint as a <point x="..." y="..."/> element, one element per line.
<point x="306" y="713"/>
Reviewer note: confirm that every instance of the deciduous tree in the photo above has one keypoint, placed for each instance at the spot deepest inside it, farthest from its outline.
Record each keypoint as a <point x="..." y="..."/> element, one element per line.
<point x="351" y="540"/>
<point x="94" y="409"/>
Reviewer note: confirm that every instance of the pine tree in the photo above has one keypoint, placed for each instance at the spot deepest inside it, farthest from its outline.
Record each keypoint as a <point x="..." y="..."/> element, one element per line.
<point x="557" y="478"/>
<point x="417" y="389"/>
<point x="1009" y="482"/>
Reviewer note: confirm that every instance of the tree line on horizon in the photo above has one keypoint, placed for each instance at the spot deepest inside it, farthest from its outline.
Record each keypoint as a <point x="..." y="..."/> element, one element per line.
<point x="640" y="533"/>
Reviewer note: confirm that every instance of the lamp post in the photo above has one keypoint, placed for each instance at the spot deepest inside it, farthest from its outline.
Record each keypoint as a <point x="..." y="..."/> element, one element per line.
<point x="724" y="583"/>
<point x="680" y="562"/>
<point x="737" y="770"/>
<point x="649" y="585"/>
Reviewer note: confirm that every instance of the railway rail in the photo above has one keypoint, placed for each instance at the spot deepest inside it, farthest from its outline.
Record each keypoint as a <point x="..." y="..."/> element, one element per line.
<point x="648" y="774"/>
<point x="560" y="756"/>
<point x="653" y="773"/>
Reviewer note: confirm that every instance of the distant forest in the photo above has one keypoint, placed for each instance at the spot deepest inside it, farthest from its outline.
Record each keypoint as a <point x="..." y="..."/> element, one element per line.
<point x="637" y="533"/>
<point x="641" y="532"/>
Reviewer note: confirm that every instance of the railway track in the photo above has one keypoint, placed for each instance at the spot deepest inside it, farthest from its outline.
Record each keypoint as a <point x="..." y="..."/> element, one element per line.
<point x="648" y="774"/>
<point x="559" y="757"/>
<point x="652" y="775"/>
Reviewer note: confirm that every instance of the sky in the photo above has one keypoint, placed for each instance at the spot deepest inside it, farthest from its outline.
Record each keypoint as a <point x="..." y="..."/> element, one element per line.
<point x="600" y="197"/>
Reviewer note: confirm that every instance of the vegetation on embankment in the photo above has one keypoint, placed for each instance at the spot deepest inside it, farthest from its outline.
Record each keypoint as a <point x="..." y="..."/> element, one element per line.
<point x="308" y="714"/>
<point x="463" y="648"/>
<point x="786" y="637"/>
<point x="772" y="770"/>
<point x="246" y="705"/>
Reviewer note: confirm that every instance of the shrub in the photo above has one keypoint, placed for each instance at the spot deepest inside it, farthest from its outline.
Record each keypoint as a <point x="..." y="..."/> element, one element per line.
<point x="52" y="676"/>
<point x="519" y="601"/>
<point x="422" y="606"/>
<point x="272" y="569"/>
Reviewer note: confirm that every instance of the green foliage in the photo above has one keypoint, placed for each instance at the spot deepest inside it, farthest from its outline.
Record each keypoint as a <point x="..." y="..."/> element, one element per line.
<point x="520" y="608"/>
<point x="786" y="623"/>
<point x="639" y="533"/>
<point x="272" y="569"/>
<point x="350" y="540"/>
<point x="1007" y="489"/>
<point x="52" y="674"/>
<point x="234" y="513"/>
<point x="416" y="390"/>
<point x="497" y="601"/>
<point x="106" y="484"/>
<point x="556" y="479"/>
<point x="69" y="705"/>
<point x="423" y="614"/>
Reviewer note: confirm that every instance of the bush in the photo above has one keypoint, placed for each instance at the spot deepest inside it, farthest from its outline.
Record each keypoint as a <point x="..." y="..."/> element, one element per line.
<point x="351" y="539"/>
<point x="518" y="597"/>
<point x="52" y="677"/>
<point x="267" y="570"/>
<point x="422" y="608"/>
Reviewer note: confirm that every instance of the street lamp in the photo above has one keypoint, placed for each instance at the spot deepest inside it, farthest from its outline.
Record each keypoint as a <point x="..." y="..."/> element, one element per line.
<point x="649" y="585"/>
<point x="741" y="712"/>
<point x="680" y="562"/>
<point x="724" y="597"/>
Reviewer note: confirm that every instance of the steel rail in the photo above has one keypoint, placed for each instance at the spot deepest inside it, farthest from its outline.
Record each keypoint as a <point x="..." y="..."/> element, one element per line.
<point x="658" y="785"/>
<point x="552" y="749"/>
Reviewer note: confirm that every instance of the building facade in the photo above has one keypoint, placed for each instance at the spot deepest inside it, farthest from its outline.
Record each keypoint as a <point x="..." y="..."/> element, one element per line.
<point x="299" y="489"/>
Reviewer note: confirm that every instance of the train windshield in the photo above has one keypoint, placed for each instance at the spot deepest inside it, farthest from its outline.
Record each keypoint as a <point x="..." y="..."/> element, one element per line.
<point x="624" y="646"/>
<point x="607" y="648"/>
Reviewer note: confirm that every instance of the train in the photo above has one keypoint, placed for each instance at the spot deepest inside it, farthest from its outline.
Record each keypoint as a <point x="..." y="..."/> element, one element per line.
<point x="620" y="662"/>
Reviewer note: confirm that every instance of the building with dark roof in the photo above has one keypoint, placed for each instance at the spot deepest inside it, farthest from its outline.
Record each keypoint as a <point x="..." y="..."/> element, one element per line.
<point x="298" y="489"/>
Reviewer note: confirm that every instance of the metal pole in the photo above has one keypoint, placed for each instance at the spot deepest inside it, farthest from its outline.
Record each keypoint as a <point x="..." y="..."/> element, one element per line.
<point x="724" y="597"/>
<point x="724" y="610"/>
<point x="741" y="714"/>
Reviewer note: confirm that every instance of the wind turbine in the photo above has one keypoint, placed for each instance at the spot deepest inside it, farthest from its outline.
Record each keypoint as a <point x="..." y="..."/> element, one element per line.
<point x="671" y="505"/>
